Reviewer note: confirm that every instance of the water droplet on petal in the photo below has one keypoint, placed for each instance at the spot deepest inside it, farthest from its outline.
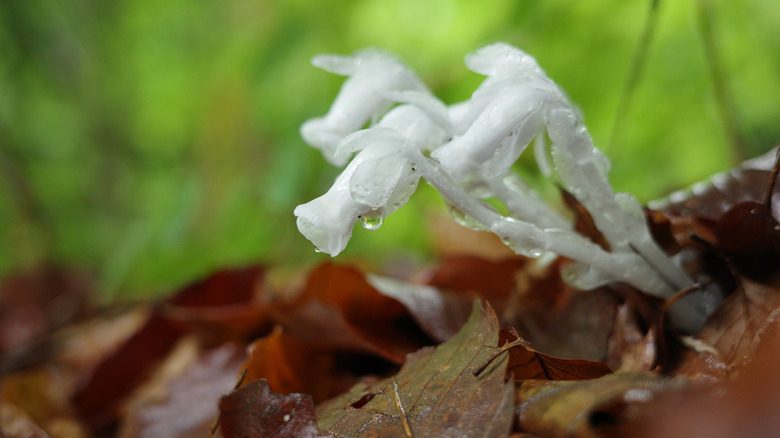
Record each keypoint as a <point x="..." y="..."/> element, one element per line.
<point x="317" y="250"/>
<point x="371" y="222"/>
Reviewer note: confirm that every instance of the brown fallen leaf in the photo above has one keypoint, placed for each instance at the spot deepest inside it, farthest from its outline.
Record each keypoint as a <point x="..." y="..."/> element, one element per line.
<point x="289" y="364"/>
<point x="565" y="409"/>
<point x="189" y="381"/>
<point x="434" y="394"/>
<point x="743" y="406"/>
<point x="526" y="363"/>
<point x="473" y="276"/>
<point x="228" y="305"/>
<point x="100" y="393"/>
<point x="97" y="398"/>
<point x="734" y="331"/>
<point x="439" y="313"/>
<point x="339" y="309"/>
<point x="254" y="411"/>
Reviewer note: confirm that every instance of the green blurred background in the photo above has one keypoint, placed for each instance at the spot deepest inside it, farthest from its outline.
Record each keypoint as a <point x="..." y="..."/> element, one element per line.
<point x="151" y="142"/>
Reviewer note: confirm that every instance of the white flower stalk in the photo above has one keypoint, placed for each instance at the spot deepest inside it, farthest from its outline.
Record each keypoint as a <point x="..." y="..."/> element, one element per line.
<point x="496" y="125"/>
<point x="371" y="74"/>
<point x="473" y="145"/>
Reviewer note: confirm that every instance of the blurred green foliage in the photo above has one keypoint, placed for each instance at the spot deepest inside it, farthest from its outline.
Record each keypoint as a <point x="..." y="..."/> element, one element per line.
<point x="154" y="141"/>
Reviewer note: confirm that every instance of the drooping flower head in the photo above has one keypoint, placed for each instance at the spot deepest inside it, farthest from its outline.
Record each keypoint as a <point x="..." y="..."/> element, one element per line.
<point x="378" y="180"/>
<point x="371" y="74"/>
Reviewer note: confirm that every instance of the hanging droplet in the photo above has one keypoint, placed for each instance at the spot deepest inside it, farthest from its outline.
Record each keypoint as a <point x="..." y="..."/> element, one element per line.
<point x="317" y="250"/>
<point x="371" y="222"/>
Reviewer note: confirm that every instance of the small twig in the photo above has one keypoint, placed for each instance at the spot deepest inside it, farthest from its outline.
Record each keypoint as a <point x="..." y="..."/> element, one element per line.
<point x="635" y="72"/>
<point x="723" y="97"/>
<point x="404" y="419"/>
<point x="504" y="348"/>
<point x="215" y="425"/>
<point x="680" y="295"/>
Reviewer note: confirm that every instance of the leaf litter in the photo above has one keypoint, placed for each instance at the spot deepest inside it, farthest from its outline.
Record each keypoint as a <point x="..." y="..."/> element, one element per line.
<point x="472" y="347"/>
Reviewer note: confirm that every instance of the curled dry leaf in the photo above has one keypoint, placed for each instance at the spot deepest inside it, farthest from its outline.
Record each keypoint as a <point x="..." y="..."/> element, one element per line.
<point x="255" y="411"/>
<point x="434" y="394"/>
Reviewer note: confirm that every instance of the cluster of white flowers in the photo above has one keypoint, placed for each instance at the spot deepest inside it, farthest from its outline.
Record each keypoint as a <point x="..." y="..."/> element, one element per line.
<point x="466" y="152"/>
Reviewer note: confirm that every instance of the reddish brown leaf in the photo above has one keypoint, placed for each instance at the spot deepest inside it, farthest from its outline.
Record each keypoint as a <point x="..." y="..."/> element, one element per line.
<point x="744" y="406"/>
<point x="119" y="373"/>
<point x="434" y="394"/>
<point x="255" y="411"/>
<point x="228" y="305"/>
<point x="339" y="309"/>
<point x="734" y="331"/>
<point x="474" y="276"/>
<point x="190" y="382"/>
<point x="290" y="364"/>
<point x="578" y="328"/>
<point x="526" y="363"/>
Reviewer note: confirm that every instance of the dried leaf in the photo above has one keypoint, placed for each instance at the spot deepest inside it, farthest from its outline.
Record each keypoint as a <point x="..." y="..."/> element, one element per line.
<point x="290" y="364"/>
<point x="228" y="305"/>
<point x="564" y="409"/>
<point x="526" y="363"/>
<point x="339" y="309"/>
<point x="255" y="411"/>
<point x="119" y="373"/>
<point x="439" y="313"/>
<point x="190" y="382"/>
<point x="710" y="200"/>
<point x="493" y="280"/>
<point x="434" y="394"/>
<point x="734" y="331"/>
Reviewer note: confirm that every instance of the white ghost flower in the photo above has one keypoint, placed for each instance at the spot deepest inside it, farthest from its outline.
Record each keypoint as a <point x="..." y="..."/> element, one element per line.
<point x="375" y="183"/>
<point x="371" y="74"/>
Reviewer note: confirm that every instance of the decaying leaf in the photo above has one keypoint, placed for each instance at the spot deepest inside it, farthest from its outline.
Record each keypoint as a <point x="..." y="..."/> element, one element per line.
<point x="734" y="331"/>
<point x="434" y="394"/>
<point x="526" y="363"/>
<point x="289" y="364"/>
<point x="255" y="411"/>
<point x="438" y="312"/>
<point x="339" y="309"/>
<point x="565" y="409"/>
<point x="189" y="381"/>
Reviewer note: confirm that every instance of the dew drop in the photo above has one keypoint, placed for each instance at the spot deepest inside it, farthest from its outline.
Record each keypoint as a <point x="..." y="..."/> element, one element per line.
<point x="317" y="250"/>
<point x="371" y="222"/>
